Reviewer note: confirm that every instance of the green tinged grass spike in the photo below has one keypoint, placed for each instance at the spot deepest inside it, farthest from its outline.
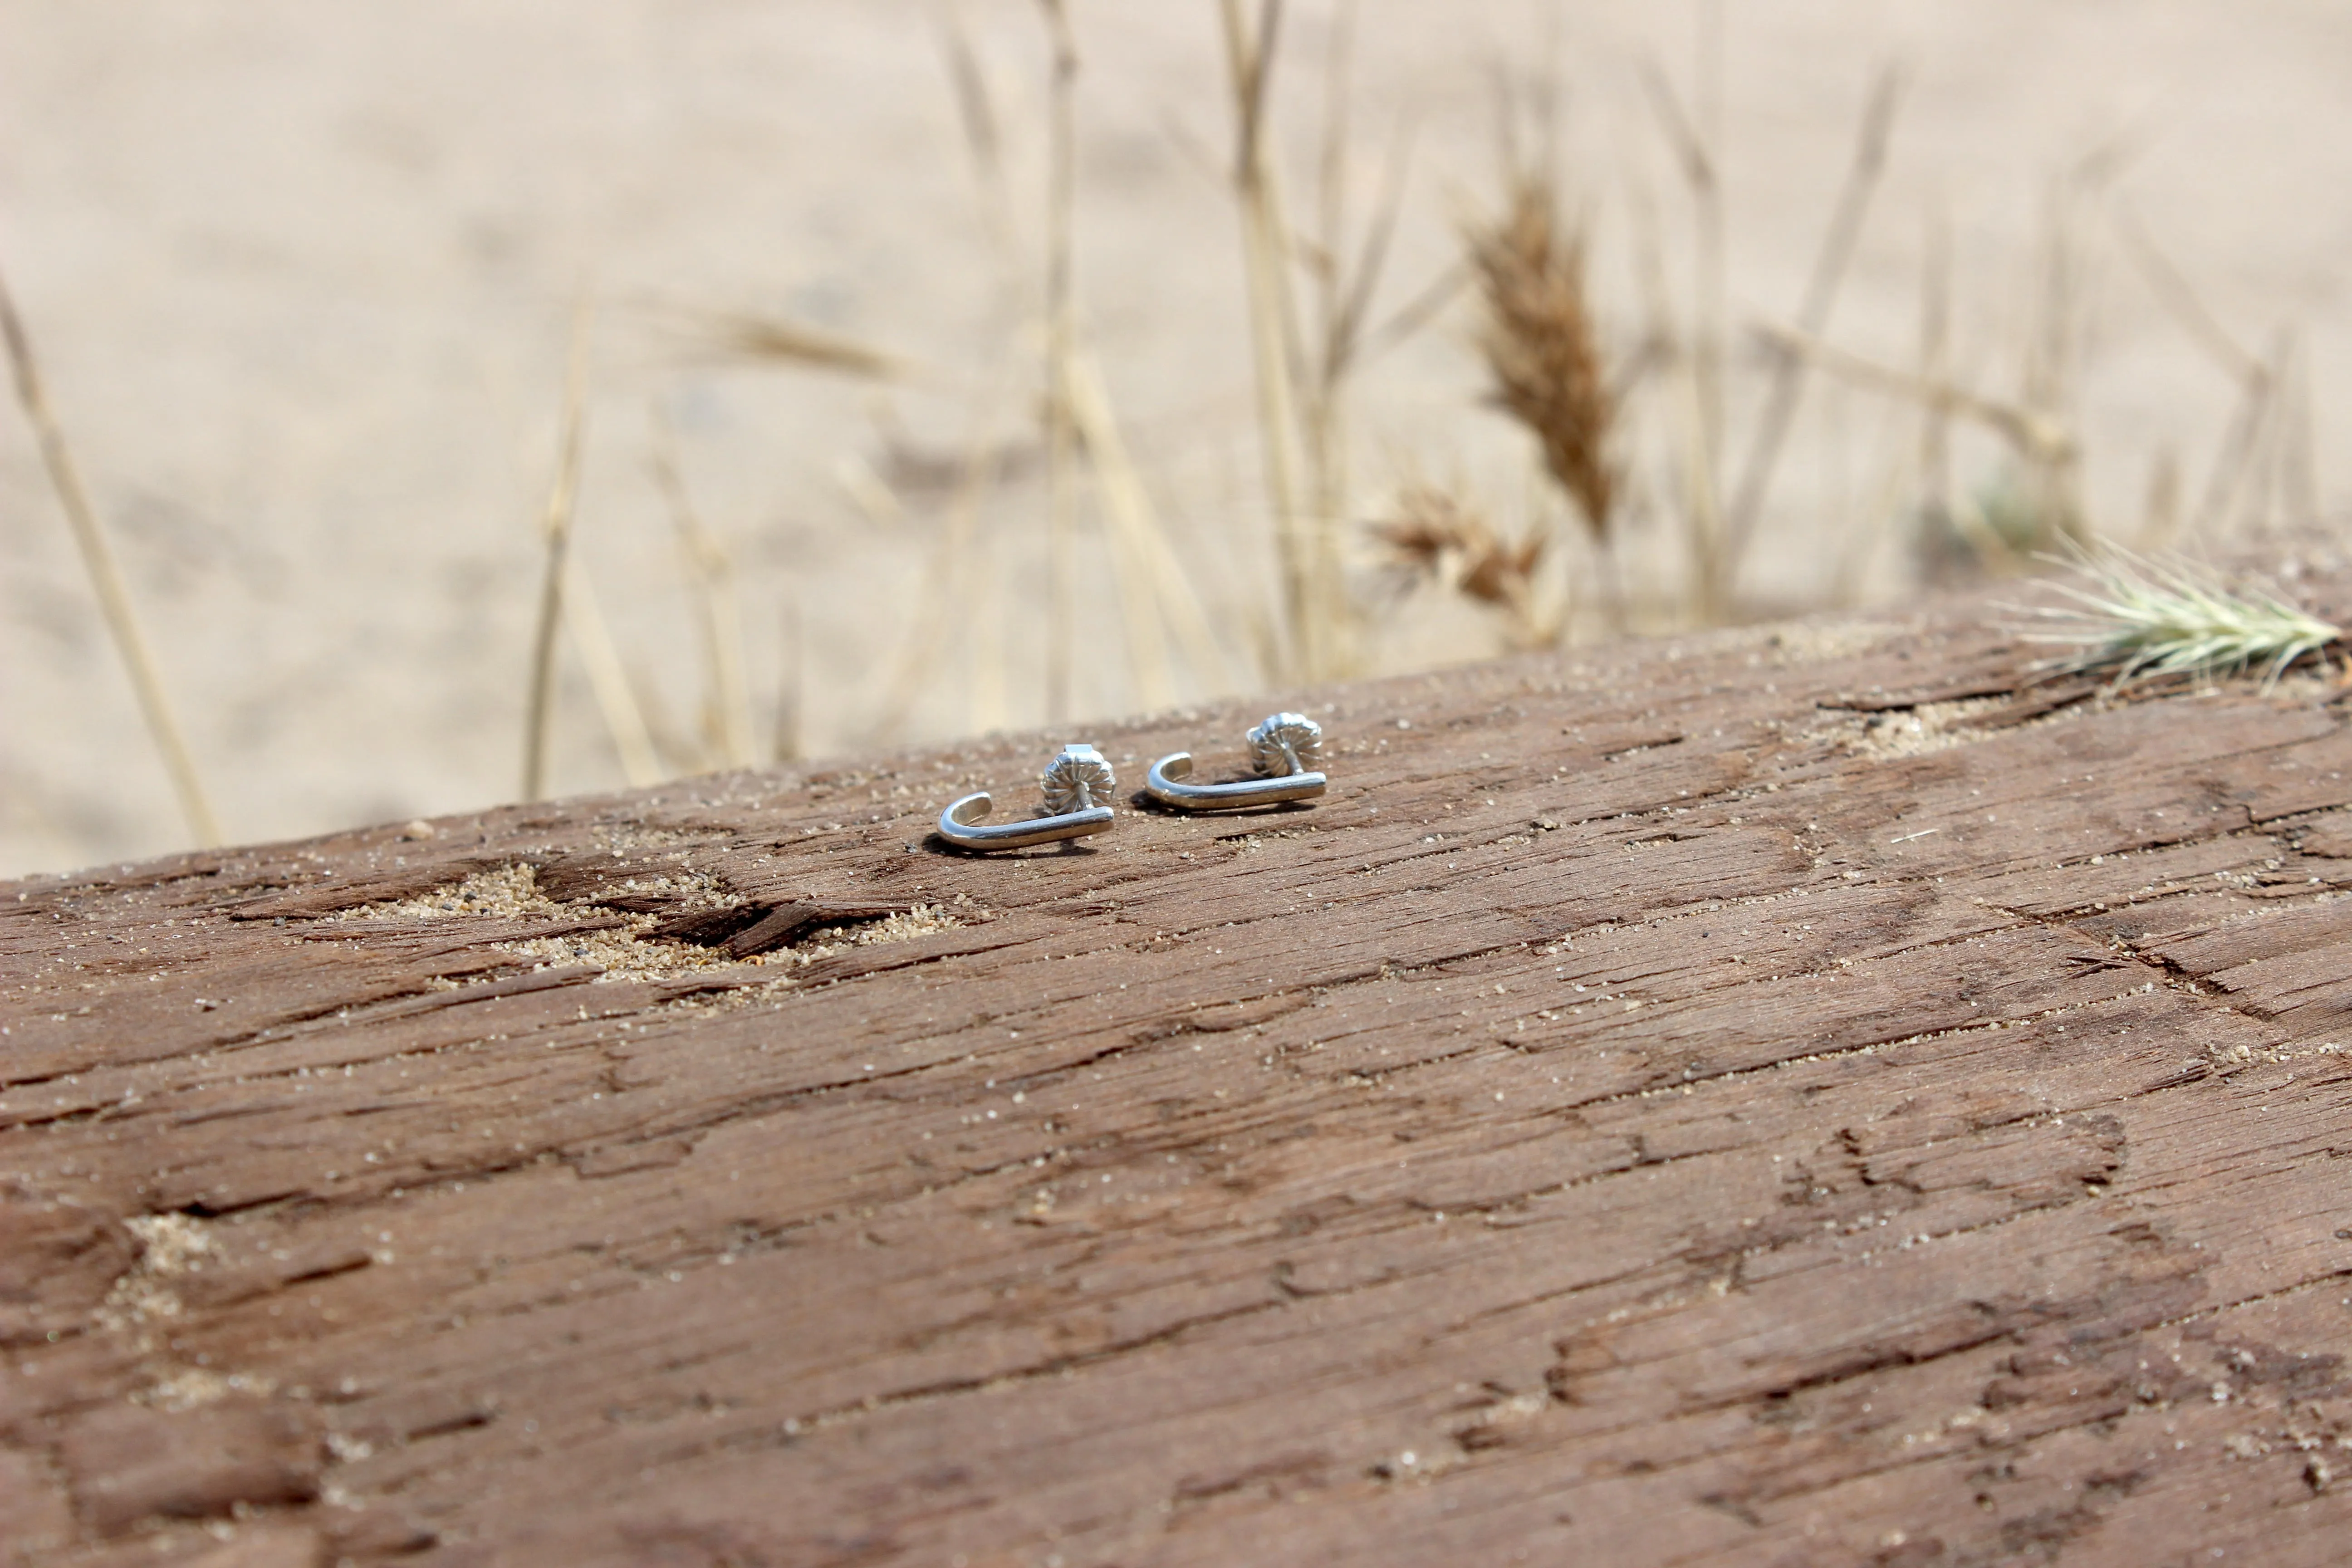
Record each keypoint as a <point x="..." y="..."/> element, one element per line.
<point x="2141" y="616"/>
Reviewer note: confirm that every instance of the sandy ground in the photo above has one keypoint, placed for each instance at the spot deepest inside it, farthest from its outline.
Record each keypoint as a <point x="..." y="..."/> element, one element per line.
<point x="301" y="275"/>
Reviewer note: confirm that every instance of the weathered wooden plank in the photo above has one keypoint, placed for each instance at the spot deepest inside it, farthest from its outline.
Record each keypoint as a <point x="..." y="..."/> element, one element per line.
<point x="1808" y="1096"/>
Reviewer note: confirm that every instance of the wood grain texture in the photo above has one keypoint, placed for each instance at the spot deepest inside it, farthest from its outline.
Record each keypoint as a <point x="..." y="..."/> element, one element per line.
<point x="1785" y="1096"/>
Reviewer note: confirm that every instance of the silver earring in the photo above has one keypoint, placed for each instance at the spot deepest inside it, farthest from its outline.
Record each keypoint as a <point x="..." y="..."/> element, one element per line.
<point x="1287" y="750"/>
<point x="1074" y="782"/>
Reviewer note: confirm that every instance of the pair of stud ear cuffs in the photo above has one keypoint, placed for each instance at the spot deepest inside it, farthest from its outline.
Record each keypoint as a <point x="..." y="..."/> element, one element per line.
<point x="1286" y="751"/>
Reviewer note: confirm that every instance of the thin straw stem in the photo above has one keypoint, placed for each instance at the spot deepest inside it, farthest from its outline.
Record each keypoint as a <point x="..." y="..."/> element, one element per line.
<point x="2180" y="300"/>
<point x="2266" y="465"/>
<point x="2301" y="458"/>
<point x="1249" y="57"/>
<point x="1812" y="320"/>
<point x="790" y="718"/>
<point x="1061" y="609"/>
<point x="608" y="678"/>
<point x="106" y="578"/>
<point x="1712" y="282"/>
<point x="939" y="608"/>
<point x="976" y="112"/>
<point x="1684" y="424"/>
<point x="1144" y="547"/>
<point x="2239" y="445"/>
<point x="555" y="533"/>
<point x="987" y="703"/>
<point x="2035" y="435"/>
<point x="711" y="572"/>
<point x="1694" y="154"/>
<point x="1935" y="362"/>
<point x="1326" y="430"/>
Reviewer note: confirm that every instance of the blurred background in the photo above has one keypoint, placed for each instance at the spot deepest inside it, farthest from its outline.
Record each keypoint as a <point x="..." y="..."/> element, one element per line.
<point x="862" y="372"/>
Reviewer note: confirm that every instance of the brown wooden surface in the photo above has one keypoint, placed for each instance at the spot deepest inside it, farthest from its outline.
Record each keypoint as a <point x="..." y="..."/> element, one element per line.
<point x="1685" y="1104"/>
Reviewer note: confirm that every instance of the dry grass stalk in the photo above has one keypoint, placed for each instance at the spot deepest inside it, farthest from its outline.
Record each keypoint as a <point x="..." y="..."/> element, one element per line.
<point x="869" y="491"/>
<point x="555" y="535"/>
<point x="608" y="678"/>
<point x="1694" y="142"/>
<point x="105" y="576"/>
<point x="1436" y="537"/>
<point x="1331" y="197"/>
<point x="786" y="744"/>
<point x="1689" y="478"/>
<point x="1542" y="349"/>
<point x="1061" y="329"/>
<point x="1147" y="568"/>
<point x="2299" y="458"/>
<point x="1249" y="61"/>
<point x="2160" y="508"/>
<point x="938" y="612"/>
<point x="2036" y="435"/>
<point x="2181" y="301"/>
<point x="1711" y="281"/>
<point x="2235" y="460"/>
<point x="710" y="576"/>
<point x="956" y="590"/>
<point x="1812" y="319"/>
<point x="2051" y="490"/>
<point x="1336" y="319"/>
<point x="1422" y="308"/>
<point x="987" y="703"/>
<point x="1132" y="565"/>
<point x="1302" y="388"/>
<point x="982" y="136"/>
<point x="941" y="605"/>
<point x="771" y="339"/>
<point x="2267" y="462"/>
<point x="1935" y="366"/>
<point x="1865" y="532"/>
<point x="1346" y="281"/>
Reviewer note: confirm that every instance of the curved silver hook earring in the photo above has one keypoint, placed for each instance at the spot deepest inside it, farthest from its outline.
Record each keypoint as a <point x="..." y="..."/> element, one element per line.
<point x="1074" y="781"/>
<point x="1287" y="750"/>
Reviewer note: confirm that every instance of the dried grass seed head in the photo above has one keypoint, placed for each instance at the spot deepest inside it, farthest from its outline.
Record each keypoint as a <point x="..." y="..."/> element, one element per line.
<point x="1542" y="347"/>
<point x="1436" y="536"/>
